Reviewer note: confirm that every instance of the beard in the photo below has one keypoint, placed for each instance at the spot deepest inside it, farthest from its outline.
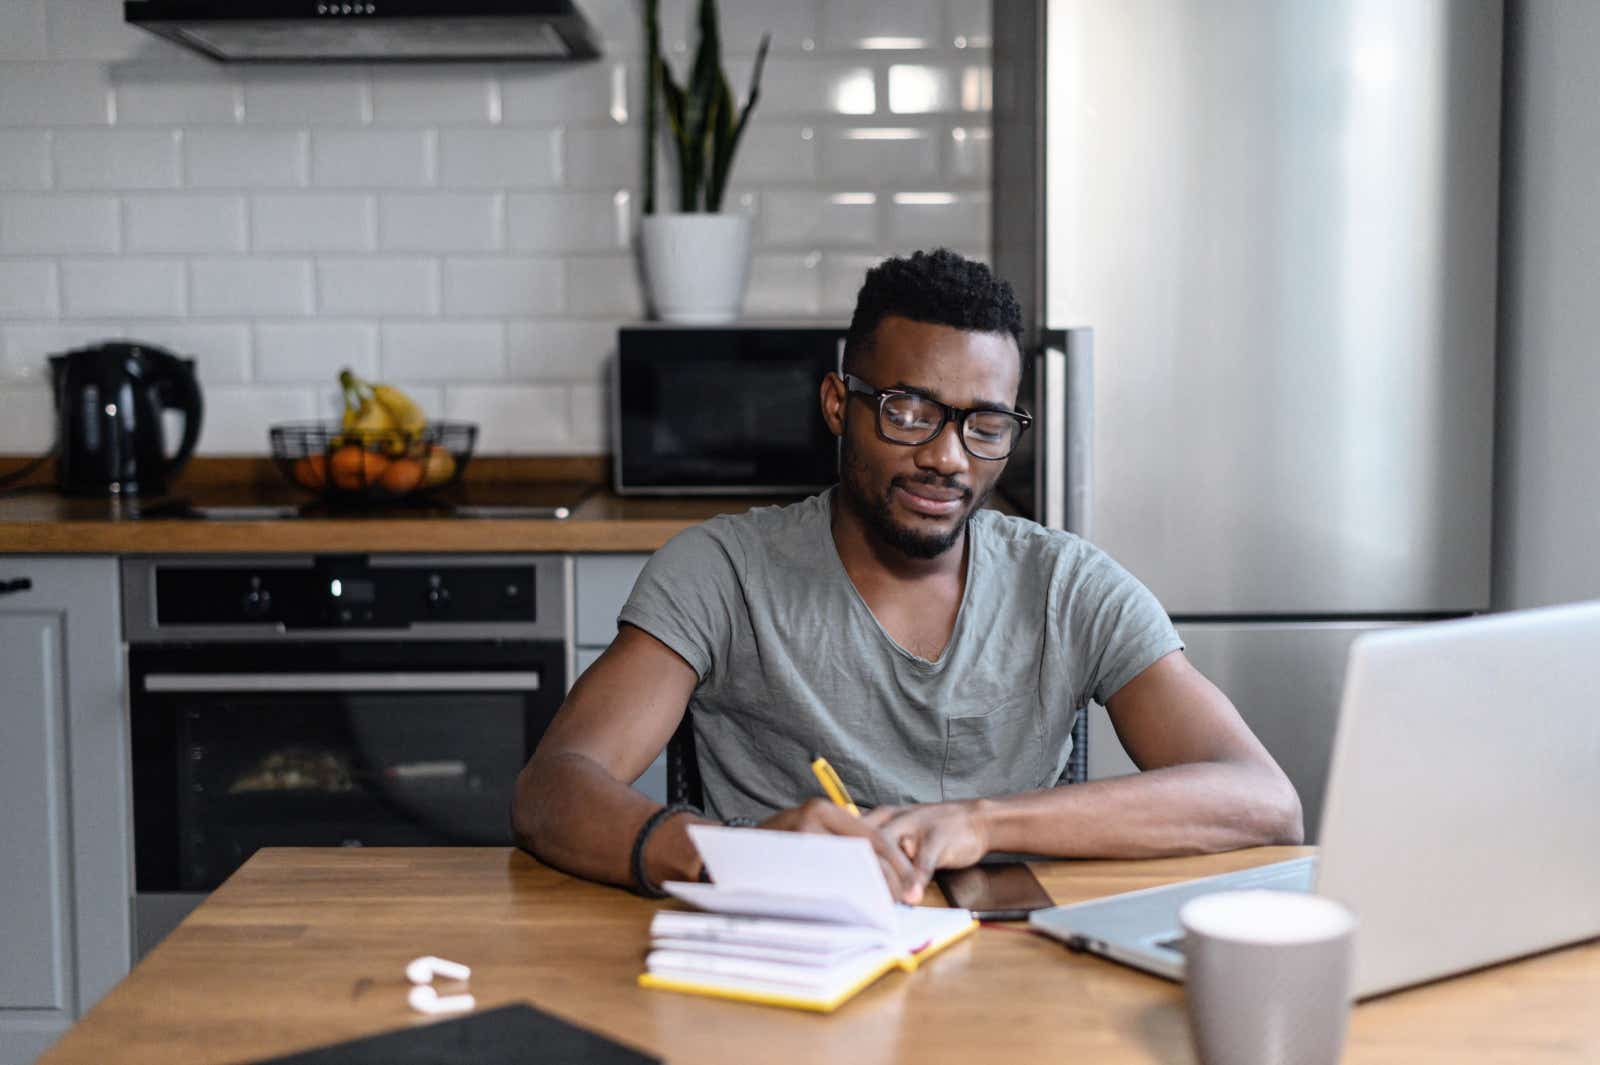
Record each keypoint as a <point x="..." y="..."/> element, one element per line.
<point x="876" y="510"/>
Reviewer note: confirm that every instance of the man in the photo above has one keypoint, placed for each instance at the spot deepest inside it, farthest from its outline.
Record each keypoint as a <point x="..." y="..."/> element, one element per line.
<point x="935" y="652"/>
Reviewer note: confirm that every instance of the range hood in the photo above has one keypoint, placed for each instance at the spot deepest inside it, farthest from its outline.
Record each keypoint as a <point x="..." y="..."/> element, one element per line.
<point x="371" y="30"/>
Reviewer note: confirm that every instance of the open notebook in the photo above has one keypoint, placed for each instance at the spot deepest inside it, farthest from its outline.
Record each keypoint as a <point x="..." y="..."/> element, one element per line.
<point x="795" y="920"/>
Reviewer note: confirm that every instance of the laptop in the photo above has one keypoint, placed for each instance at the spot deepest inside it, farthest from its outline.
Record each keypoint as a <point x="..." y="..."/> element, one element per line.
<point x="1462" y="817"/>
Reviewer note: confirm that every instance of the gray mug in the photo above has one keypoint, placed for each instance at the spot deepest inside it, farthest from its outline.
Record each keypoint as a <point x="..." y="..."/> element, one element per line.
<point x="1269" y="977"/>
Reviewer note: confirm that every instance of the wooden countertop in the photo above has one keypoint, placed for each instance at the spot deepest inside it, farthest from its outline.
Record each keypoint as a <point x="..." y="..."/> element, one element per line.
<point x="38" y="521"/>
<point x="304" y="947"/>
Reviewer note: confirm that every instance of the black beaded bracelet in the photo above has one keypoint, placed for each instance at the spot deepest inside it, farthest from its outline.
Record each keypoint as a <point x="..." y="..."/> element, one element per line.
<point x="641" y="883"/>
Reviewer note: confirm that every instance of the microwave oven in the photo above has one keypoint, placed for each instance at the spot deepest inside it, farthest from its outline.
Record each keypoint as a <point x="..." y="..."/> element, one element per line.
<point x="728" y="410"/>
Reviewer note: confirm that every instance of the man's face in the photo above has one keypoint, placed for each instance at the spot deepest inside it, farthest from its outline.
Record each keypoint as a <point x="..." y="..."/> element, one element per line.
<point x="918" y="498"/>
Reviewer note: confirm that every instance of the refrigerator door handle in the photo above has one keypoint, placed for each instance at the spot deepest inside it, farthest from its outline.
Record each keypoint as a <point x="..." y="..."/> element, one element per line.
<point x="1066" y="396"/>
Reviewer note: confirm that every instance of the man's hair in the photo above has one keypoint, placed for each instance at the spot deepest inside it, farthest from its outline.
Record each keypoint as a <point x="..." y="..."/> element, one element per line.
<point x="939" y="287"/>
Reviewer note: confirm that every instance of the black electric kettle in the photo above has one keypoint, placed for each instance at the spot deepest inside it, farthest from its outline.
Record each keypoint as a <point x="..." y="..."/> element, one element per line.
<point x="109" y="400"/>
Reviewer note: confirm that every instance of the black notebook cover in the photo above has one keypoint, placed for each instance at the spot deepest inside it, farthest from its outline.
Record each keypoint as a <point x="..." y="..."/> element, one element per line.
<point x="510" y="1035"/>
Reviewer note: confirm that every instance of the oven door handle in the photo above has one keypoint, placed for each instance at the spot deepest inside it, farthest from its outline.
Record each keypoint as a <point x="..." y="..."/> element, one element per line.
<point x="524" y="681"/>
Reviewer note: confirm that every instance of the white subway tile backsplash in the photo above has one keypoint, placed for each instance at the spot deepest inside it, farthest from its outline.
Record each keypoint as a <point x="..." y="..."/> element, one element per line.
<point x="842" y="276"/>
<point x="772" y="152"/>
<point x="250" y="286"/>
<point x="24" y="159"/>
<point x="605" y="285"/>
<point x="924" y="220"/>
<point x="921" y="88"/>
<point x="443" y="351"/>
<point x="500" y="286"/>
<point x="590" y="409"/>
<point x="118" y="159"/>
<point x="221" y="350"/>
<point x="27" y="346"/>
<point x="190" y="222"/>
<point x="375" y="158"/>
<point x="499" y="158"/>
<point x="513" y="418"/>
<point x="882" y="155"/>
<point x="418" y="95"/>
<point x="606" y="157"/>
<point x="27" y="420"/>
<point x="314" y="352"/>
<point x="57" y="224"/>
<point x="783" y="285"/>
<point x="466" y="230"/>
<point x="806" y="87"/>
<point x="813" y="217"/>
<point x="247" y="159"/>
<point x="561" y="351"/>
<point x="588" y="221"/>
<point x="792" y="23"/>
<point x="92" y="29"/>
<point x="967" y="154"/>
<point x="881" y="24"/>
<point x="98" y="288"/>
<point x="968" y="23"/>
<point x="313" y="221"/>
<point x="374" y="286"/>
<point x="176" y="94"/>
<point x="442" y="221"/>
<point x="28" y="288"/>
<point x="54" y="94"/>
<point x="237" y="418"/>
<point x="22" y="30"/>
<point x="559" y="92"/>
<point x="307" y="95"/>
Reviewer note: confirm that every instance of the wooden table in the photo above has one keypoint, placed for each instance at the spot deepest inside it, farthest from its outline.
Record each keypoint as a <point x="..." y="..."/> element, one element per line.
<point x="305" y="946"/>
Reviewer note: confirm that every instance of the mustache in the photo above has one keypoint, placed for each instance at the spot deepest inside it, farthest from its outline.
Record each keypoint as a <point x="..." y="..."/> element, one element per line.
<point x="934" y="482"/>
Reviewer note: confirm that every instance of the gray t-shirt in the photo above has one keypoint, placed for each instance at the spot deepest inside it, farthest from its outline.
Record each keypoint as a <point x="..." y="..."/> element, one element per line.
<point x="793" y="664"/>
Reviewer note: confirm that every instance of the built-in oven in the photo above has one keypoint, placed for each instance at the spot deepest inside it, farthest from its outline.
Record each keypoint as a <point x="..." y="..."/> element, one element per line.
<point x="340" y="700"/>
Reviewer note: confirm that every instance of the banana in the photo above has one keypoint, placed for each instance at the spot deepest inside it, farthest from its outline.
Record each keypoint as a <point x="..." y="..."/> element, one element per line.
<point x="364" y="417"/>
<point x="407" y="416"/>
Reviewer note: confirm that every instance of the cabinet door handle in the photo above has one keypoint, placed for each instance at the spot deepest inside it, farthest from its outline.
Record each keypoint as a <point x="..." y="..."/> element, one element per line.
<point x="21" y="584"/>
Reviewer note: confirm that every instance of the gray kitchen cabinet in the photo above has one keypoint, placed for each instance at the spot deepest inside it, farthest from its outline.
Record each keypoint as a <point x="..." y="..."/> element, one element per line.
<point x="602" y="586"/>
<point x="64" y="880"/>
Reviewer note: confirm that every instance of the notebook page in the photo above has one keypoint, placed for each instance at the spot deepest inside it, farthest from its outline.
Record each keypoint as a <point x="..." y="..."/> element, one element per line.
<point x="720" y="899"/>
<point x="798" y="865"/>
<point x="791" y="935"/>
<point x="921" y="925"/>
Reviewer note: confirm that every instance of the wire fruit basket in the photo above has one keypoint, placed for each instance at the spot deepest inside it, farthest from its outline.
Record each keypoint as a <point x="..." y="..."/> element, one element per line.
<point x="353" y="466"/>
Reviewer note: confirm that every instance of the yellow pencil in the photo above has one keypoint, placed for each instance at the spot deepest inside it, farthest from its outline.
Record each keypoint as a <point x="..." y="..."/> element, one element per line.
<point x="833" y="785"/>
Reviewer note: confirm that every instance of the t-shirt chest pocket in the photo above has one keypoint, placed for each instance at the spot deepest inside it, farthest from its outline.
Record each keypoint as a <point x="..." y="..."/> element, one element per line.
<point x="1000" y="752"/>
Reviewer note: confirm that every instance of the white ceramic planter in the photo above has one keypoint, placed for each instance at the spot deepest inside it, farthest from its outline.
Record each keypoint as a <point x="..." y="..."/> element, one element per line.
<point x="696" y="265"/>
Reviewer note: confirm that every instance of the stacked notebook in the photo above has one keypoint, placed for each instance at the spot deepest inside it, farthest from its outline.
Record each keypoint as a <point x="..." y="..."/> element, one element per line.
<point x="796" y="920"/>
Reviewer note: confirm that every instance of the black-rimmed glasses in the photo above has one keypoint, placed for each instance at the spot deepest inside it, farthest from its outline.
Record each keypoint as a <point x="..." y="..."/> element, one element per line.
<point x="910" y="419"/>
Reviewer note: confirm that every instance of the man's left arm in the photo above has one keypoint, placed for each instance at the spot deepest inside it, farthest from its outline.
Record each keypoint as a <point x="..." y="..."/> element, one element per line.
<point x="1207" y="785"/>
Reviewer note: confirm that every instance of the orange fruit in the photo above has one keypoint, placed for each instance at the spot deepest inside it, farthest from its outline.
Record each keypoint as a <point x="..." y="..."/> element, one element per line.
<point x="312" y="472"/>
<point x="354" y="468"/>
<point x="402" y="476"/>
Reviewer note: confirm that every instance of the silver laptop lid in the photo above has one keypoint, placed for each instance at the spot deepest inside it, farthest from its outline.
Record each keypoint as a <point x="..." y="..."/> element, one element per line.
<point x="1462" y="820"/>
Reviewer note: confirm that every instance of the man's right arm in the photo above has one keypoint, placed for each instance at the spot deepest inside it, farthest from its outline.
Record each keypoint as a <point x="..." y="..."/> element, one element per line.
<point x="574" y="808"/>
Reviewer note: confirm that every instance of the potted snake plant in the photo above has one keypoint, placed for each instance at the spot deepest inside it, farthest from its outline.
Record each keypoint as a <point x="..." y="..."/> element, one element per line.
<point x="696" y="259"/>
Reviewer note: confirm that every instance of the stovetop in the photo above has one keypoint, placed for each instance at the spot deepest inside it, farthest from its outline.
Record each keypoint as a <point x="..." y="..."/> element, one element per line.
<point x="507" y="501"/>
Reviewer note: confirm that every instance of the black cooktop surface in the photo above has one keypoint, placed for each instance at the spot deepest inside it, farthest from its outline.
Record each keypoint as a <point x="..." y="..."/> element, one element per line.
<point x="507" y="501"/>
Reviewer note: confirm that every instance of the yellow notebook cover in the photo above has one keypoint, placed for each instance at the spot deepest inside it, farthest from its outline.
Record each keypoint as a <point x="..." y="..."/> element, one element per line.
<point x="766" y="993"/>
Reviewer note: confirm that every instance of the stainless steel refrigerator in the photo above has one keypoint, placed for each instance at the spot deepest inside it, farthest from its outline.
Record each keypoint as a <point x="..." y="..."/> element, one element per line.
<point x="1256" y="240"/>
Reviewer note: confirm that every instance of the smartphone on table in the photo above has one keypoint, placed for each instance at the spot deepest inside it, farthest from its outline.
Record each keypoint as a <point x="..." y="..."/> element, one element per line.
<point x="1005" y="891"/>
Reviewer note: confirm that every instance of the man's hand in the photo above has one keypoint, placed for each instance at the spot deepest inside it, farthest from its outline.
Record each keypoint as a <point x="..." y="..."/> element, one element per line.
<point x="946" y="835"/>
<point x="822" y="816"/>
